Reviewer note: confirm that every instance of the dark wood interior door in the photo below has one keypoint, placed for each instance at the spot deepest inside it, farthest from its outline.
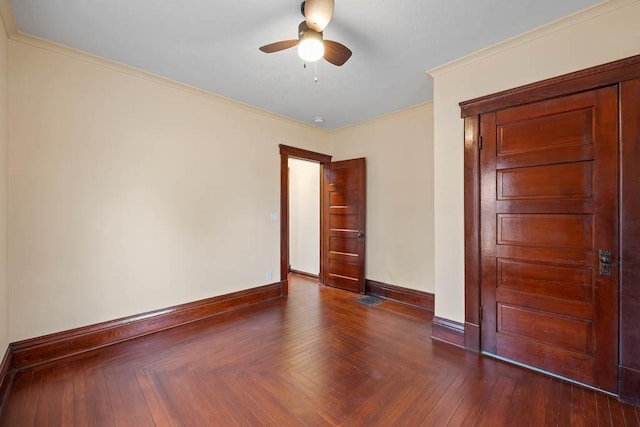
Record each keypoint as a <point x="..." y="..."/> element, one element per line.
<point x="343" y="211"/>
<point x="549" y="204"/>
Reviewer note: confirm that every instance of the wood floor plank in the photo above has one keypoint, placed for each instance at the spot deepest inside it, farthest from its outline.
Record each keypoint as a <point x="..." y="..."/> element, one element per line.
<point x="296" y="397"/>
<point x="578" y="410"/>
<point x="68" y="398"/>
<point x="21" y="405"/>
<point x="400" y="409"/>
<point x="273" y="408"/>
<point x="187" y="399"/>
<point x="447" y="403"/>
<point x="98" y="404"/>
<point x="630" y="415"/>
<point x="426" y="403"/>
<point x="468" y="412"/>
<point x="565" y="399"/>
<point x="529" y="401"/>
<point x="151" y="392"/>
<point x="590" y="406"/>
<point x="617" y="414"/>
<point x="80" y="409"/>
<point x="497" y="407"/>
<point x="50" y="404"/>
<point x="316" y="358"/>
<point x="129" y="406"/>
<point x="603" y="412"/>
<point x="242" y="400"/>
<point x="553" y="405"/>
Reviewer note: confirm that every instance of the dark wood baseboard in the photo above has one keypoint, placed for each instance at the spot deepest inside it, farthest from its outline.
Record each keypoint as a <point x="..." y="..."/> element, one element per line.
<point x="302" y="273"/>
<point x="629" y="385"/>
<point x="420" y="299"/>
<point x="6" y="375"/>
<point x="472" y="337"/>
<point x="448" y="331"/>
<point x="35" y="351"/>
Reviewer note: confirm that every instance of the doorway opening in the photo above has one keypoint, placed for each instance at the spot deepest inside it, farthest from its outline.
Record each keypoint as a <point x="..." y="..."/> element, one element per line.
<point x="304" y="217"/>
<point x="342" y="220"/>
<point x="287" y="153"/>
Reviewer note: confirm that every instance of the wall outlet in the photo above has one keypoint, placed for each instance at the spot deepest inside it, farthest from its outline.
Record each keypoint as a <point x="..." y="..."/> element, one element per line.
<point x="269" y="274"/>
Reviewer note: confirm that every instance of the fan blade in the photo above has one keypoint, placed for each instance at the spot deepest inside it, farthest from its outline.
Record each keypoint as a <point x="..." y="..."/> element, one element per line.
<point x="318" y="13"/>
<point x="336" y="53"/>
<point x="278" y="46"/>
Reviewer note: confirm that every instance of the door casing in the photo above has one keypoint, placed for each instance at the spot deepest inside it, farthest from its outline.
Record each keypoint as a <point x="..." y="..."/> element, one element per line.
<point x="287" y="152"/>
<point x="545" y="164"/>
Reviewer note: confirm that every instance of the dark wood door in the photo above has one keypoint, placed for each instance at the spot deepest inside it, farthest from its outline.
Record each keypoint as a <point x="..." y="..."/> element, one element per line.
<point x="343" y="210"/>
<point x="549" y="203"/>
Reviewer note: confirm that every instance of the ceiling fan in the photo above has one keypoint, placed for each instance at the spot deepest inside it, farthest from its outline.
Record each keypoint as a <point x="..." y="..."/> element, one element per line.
<point x="311" y="46"/>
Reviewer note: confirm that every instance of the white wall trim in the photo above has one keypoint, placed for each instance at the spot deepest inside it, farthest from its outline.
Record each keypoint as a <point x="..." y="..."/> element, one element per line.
<point x="607" y="6"/>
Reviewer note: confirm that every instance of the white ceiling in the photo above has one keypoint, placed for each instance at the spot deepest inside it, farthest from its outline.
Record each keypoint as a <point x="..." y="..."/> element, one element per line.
<point x="213" y="45"/>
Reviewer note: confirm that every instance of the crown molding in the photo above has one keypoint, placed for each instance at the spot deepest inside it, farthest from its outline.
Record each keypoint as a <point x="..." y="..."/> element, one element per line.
<point x="8" y="18"/>
<point x="79" y="55"/>
<point x="584" y="15"/>
<point x="6" y="13"/>
<point x="385" y="116"/>
<point x="41" y="43"/>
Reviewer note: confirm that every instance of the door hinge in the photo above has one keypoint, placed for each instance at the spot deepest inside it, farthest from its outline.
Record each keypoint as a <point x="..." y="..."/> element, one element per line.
<point x="480" y="143"/>
<point x="481" y="311"/>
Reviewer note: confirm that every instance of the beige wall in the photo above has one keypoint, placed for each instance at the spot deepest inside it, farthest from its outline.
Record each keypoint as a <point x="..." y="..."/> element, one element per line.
<point x="4" y="137"/>
<point x="128" y="193"/>
<point x="304" y="216"/>
<point x="399" y="152"/>
<point x="599" y="35"/>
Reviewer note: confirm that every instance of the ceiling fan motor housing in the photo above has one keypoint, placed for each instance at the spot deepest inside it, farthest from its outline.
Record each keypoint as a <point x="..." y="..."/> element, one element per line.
<point x="304" y="30"/>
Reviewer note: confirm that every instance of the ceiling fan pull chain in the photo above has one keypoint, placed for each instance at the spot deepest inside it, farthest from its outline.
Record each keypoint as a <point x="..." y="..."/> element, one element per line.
<point x="315" y="79"/>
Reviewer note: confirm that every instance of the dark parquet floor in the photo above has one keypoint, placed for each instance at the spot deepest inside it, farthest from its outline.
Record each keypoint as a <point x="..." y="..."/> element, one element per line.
<point x="318" y="358"/>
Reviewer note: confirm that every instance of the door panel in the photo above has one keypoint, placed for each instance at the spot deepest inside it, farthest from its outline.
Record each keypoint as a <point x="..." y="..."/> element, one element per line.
<point x="565" y="332"/>
<point x="543" y="230"/>
<point x="518" y="133"/>
<point x="570" y="283"/>
<point x="549" y="202"/>
<point x="568" y="180"/>
<point x="344" y="224"/>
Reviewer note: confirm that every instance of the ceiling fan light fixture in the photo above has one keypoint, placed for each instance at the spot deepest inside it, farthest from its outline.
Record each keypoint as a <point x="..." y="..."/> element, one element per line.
<point x="311" y="47"/>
